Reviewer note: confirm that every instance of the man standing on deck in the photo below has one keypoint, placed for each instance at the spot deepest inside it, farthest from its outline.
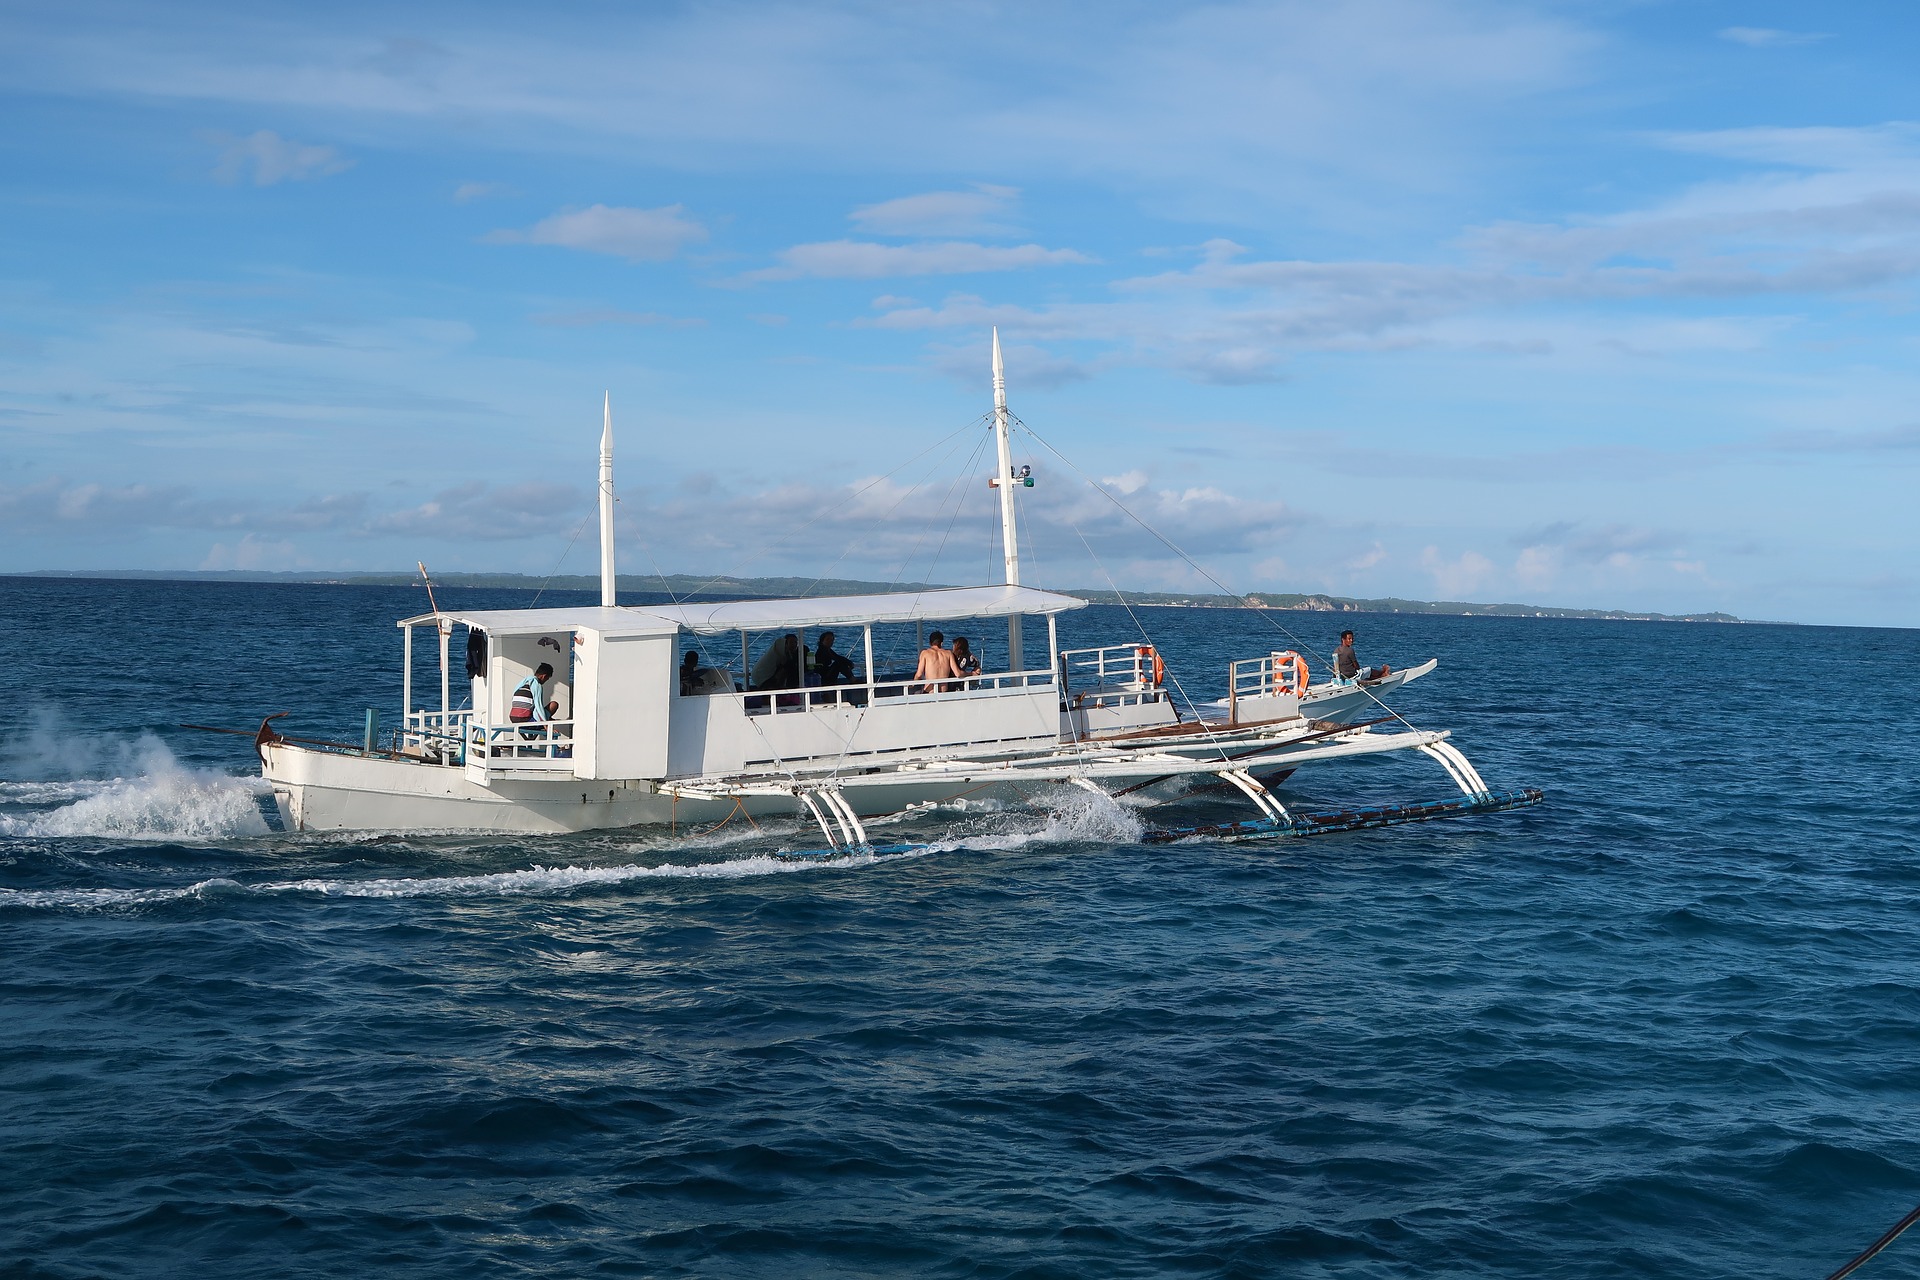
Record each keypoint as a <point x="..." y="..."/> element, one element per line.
<point x="1346" y="666"/>
<point x="935" y="663"/>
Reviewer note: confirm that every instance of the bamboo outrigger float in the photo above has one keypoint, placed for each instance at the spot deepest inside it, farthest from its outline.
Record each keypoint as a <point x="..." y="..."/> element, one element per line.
<point x="637" y="740"/>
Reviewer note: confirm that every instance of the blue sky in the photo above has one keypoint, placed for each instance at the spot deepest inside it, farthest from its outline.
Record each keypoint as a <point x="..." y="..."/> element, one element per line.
<point x="1588" y="304"/>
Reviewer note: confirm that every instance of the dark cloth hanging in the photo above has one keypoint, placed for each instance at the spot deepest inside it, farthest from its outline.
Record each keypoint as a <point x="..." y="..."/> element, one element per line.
<point x="476" y="653"/>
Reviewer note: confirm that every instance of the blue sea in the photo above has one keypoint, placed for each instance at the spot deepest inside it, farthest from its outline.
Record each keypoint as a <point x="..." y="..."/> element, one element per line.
<point x="1666" y="1024"/>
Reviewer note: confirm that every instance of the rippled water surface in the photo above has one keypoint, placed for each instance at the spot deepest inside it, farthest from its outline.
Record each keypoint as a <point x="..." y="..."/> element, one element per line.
<point x="1667" y="1024"/>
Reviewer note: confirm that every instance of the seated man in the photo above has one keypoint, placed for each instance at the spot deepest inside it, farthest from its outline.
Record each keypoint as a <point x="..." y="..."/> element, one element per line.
<point x="1346" y="665"/>
<point x="779" y="666"/>
<point x="689" y="673"/>
<point x="527" y="703"/>
<point x="834" y="667"/>
<point x="529" y="706"/>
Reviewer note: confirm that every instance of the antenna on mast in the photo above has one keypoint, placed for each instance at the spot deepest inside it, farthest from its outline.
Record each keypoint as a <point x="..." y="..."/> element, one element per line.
<point x="608" y="588"/>
<point x="422" y="564"/>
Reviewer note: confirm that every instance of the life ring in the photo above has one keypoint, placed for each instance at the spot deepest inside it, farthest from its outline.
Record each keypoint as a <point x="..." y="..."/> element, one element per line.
<point x="1146" y="651"/>
<point x="1290" y="673"/>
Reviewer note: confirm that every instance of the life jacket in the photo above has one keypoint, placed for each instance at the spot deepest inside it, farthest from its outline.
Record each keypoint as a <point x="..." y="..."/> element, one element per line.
<point x="525" y="699"/>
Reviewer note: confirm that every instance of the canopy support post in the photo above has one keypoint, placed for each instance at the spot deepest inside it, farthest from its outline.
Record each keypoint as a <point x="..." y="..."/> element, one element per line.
<point x="406" y="680"/>
<point x="867" y="633"/>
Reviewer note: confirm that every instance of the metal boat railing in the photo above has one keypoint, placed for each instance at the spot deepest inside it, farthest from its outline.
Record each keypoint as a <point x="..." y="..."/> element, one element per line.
<point x="454" y="737"/>
<point x="1112" y="675"/>
<point x="439" y="735"/>
<point x="534" y="745"/>
<point x="1258" y="678"/>
<point x="985" y="684"/>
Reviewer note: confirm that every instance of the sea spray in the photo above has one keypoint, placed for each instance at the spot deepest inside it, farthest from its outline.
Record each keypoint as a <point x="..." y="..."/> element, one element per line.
<point x="1072" y="815"/>
<point x="145" y="793"/>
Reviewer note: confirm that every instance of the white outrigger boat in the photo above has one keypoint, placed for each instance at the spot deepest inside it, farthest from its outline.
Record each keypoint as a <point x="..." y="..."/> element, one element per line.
<point x="635" y="744"/>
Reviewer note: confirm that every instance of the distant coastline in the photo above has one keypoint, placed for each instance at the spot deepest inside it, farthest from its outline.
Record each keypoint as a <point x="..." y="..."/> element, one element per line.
<point x="723" y="587"/>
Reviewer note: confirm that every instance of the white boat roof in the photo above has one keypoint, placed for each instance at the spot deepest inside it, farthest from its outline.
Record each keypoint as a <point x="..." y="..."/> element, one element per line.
<point x="802" y="613"/>
<point x="517" y="622"/>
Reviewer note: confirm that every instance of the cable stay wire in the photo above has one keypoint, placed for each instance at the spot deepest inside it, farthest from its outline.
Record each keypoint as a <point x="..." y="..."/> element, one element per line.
<point x="907" y="492"/>
<point x="1199" y="569"/>
<point x="957" y="494"/>
<point x="554" y="572"/>
<point x="1207" y="729"/>
<point x="954" y="486"/>
<point x="800" y="529"/>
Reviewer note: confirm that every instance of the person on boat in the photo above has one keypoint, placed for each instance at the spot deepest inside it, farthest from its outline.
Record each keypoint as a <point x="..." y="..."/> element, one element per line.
<point x="964" y="663"/>
<point x="528" y="704"/>
<point x="779" y="667"/>
<point x="935" y="663"/>
<point x="1346" y="666"/>
<point x="833" y="666"/>
<point x="689" y="673"/>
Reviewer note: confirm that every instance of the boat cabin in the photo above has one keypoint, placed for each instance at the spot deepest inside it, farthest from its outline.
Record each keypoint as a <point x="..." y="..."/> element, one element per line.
<point x="629" y="704"/>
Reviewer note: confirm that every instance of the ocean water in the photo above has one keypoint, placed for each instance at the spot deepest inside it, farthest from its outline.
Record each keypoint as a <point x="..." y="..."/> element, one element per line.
<point x="1667" y="1024"/>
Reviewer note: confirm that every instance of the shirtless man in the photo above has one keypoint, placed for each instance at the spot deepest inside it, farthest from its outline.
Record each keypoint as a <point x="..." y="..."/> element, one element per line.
<point x="936" y="663"/>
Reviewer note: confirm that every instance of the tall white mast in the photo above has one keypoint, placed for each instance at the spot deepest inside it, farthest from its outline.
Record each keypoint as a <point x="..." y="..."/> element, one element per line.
<point x="1009" y="526"/>
<point x="607" y="590"/>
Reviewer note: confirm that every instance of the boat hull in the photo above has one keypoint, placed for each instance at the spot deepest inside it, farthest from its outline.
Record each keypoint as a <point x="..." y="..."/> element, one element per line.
<point x="337" y="791"/>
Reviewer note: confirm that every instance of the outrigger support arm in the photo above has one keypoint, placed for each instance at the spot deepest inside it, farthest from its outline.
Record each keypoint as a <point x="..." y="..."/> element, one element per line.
<point x="853" y="835"/>
<point x="1458" y="767"/>
<point x="1263" y="799"/>
<point x="813" y="807"/>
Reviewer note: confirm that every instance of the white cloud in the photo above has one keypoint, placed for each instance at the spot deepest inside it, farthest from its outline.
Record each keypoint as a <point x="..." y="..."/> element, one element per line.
<point x="1033" y="368"/>
<point x="271" y="159"/>
<point x="1368" y="559"/>
<point x="1537" y="568"/>
<point x="1767" y="37"/>
<point x="103" y="509"/>
<point x="1459" y="578"/>
<point x="1820" y="212"/>
<point x="488" y="512"/>
<point x="981" y="211"/>
<point x="864" y="260"/>
<point x="469" y="191"/>
<point x="1262" y="103"/>
<point x="589" y="317"/>
<point x="254" y="552"/>
<point x="638" y="235"/>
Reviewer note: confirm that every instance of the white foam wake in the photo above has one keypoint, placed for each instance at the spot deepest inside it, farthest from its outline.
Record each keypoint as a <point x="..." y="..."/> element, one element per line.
<point x="1074" y="816"/>
<point x="533" y="881"/>
<point x="155" y="798"/>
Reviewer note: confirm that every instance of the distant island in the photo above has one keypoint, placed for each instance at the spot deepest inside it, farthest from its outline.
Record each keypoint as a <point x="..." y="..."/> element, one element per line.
<point x="702" y="587"/>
